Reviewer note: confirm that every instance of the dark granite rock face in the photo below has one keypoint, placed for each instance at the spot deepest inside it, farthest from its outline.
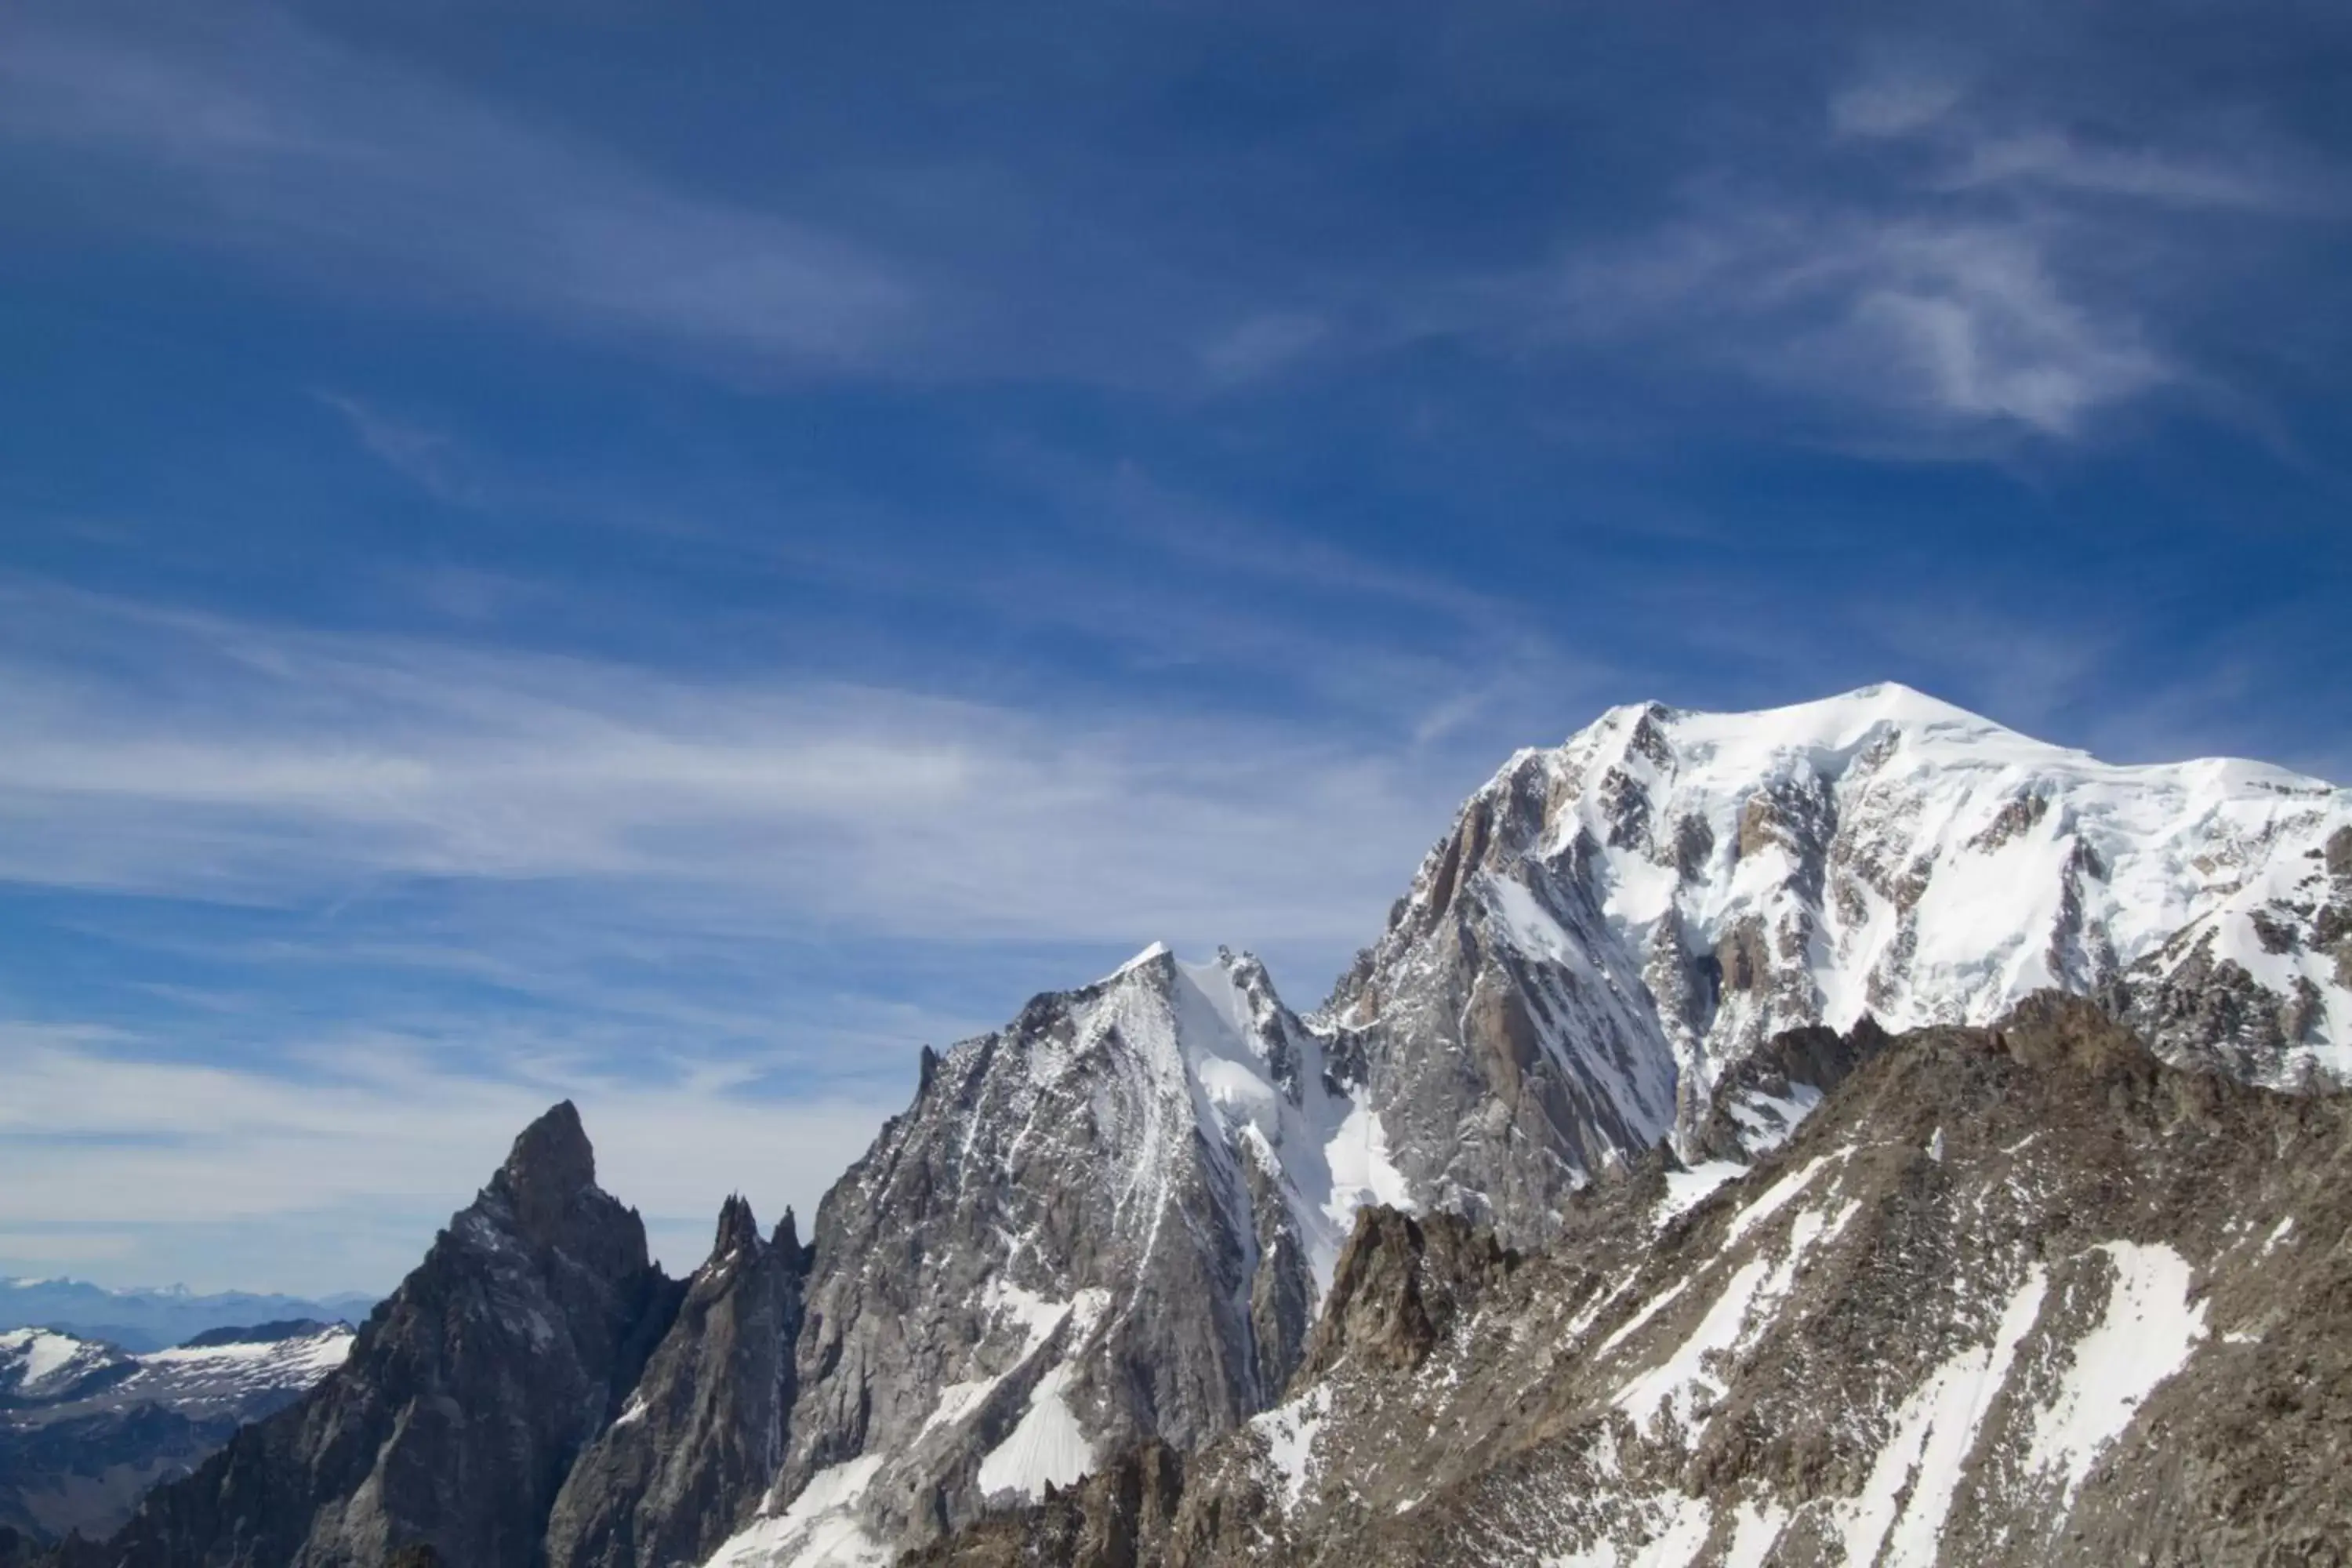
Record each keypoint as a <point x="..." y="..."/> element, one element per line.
<point x="1759" y="1102"/>
<point x="466" y="1398"/>
<point x="702" y="1434"/>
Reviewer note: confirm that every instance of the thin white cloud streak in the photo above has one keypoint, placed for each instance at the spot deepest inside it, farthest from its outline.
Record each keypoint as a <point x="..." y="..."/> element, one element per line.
<point x="1896" y="101"/>
<point x="2056" y="160"/>
<point x="1930" y="109"/>
<point x="272" y="140"/>
<point x="1954" y="276"/>
<point x="97" y="1137"/>
<point x="1263" y="345"/>
<point x="429" y="459"/>
<point x="223" y="760"/>
<point x="1935" y="320"/>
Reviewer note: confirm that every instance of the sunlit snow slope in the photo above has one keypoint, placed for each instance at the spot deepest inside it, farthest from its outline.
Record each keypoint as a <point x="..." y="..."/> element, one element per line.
<point x="1614" y="923"/>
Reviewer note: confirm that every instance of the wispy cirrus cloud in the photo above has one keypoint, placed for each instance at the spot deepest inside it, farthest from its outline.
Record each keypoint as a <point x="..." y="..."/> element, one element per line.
<point x="269" y="764"/>
<point x="1263" y="344"/>
<point x="251" y="133"/>
<point x="701" y="907"/>
<point x="1930" y="320"/>
<point x="1933" y="263"/>
<point x="108" y="1146"/>
<point x="430" y="459"/>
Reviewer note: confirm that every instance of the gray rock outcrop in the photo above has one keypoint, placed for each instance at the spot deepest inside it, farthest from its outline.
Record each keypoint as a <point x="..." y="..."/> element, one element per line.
<point x="465" y="1399"/>
<point x="702" y="1434"/>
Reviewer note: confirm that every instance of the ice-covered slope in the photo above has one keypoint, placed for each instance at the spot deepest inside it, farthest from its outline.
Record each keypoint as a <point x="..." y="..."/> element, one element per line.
<point x="1612" y="924"/>
<point x="228" y="1369"/>
<point x="1107" y="1222"/>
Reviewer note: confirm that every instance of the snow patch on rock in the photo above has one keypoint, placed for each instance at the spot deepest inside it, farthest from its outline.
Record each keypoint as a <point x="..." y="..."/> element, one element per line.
<point x="820" y="1530"/>
<point x="1046" y="1447"/>
<point x="2146" y="1333"/>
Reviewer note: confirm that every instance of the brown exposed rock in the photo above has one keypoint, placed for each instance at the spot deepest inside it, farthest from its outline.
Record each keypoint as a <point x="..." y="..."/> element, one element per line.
<point x="1744" y="957"/>
<point x="1118" y="1517"/>
<point x="1816" y="1056"/>
<point x="2339" y="853"/>
<point x="1399" y="1286"/>
<point x="2275" y="934"/>
<point x="2020" y="816"/>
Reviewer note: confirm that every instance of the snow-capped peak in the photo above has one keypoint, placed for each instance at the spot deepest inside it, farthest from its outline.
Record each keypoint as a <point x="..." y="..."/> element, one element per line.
<point x="1615" y="923"/>
<point x="1253" y="1082"/>
<point x="1901" y="856"/>
<point x="37" y="1363"/>
<point x="1158" y="949"/>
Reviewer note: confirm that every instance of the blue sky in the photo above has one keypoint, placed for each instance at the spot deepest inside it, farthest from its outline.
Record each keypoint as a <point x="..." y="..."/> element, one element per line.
<point x="671" y="555"/>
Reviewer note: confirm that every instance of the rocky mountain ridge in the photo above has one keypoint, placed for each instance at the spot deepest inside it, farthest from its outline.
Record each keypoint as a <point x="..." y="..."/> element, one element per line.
<point x="1103" y="1222"/>
<point x="2015" y="1296"/>
<point x="465" y="1399"/>
<point x="1116" y="1232"/>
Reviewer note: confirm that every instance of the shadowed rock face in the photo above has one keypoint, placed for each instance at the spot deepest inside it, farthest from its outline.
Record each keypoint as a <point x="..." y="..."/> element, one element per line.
<point x="702" y="1434"/>
<point x="465" y="1399"/>
<point x="2018" y="1295"/>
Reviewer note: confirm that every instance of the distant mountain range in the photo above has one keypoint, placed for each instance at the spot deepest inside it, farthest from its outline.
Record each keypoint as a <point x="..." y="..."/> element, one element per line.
<point x="86" y="1428"/>
<point x="1850" y="1133"/>
<point x="154" y="1320"/>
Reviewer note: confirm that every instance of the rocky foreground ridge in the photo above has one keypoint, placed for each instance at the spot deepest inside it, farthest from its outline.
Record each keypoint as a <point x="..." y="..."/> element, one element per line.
<point x="2025" y="1294"/>
<point x="1108" y="1288"/>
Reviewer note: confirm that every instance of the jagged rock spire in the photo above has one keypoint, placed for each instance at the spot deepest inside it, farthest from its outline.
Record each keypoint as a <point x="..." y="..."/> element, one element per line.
<point x="464" y="1397"/>
<point x="551" y="1164"/>
<point x="738" y="1231"/>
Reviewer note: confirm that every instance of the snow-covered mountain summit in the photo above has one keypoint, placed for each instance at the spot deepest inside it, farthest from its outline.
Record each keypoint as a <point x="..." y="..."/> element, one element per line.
<point x="1614" y="923"/>
<point x="1110" y="1221"/>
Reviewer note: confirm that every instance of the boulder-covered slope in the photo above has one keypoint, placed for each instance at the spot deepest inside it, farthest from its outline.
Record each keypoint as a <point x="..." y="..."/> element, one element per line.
<point x="2025" y="1295"/>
